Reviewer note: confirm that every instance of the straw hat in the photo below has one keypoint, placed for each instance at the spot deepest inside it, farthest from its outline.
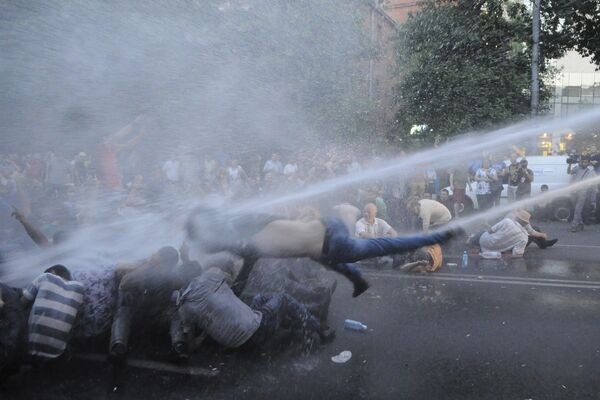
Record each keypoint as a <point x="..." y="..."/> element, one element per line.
<point x="522" y="215"/>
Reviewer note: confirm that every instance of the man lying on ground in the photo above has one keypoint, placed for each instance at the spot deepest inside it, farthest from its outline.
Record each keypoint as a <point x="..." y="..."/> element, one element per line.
<point x="326" y="240"/>
<point x="425" y="259"/>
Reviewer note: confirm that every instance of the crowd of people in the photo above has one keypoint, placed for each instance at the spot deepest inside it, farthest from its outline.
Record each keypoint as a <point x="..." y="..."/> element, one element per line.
<point x="238" y="279"/>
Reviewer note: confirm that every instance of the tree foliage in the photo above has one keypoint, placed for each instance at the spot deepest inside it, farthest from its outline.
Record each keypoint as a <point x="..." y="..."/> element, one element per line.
<point x="571" y="24"/>
<point x="463" y="65"/>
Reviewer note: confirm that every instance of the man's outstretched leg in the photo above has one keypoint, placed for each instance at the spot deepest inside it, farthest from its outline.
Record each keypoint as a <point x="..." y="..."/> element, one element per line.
<point x="352" y="272"/>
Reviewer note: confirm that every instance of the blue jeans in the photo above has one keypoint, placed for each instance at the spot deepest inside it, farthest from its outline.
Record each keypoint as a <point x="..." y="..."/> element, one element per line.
<point x="279" y="310"/>
<point x="340" y="248"/>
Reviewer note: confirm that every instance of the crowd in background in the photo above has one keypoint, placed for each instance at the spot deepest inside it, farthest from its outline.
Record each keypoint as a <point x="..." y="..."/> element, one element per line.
<point x="56" y="191"/>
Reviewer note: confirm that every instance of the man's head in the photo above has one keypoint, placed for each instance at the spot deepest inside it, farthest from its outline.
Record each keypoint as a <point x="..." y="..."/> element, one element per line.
<point x="544" y="188"/>
<point x="523" y="163"/>
<point x="444" y="195"/>
<point x="584" y="162"/>
<point x="275" y="157"/>
<point x="370" y="212"/>
<point x="522" y="217"/>
<point x="413" y="206"/>
<point x="513" y="157"/>
<point x="59" y="270"/>
<point x="165" y="257"/>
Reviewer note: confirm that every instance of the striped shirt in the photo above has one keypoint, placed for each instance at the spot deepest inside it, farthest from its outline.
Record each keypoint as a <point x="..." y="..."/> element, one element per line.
<point x="56" y="303"/>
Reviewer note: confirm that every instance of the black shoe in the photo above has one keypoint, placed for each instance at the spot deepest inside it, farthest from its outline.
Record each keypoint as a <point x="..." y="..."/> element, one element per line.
<point x="550" y="243"/>
<point x="117" y="353"/>
<point x="179" y="353"/>
<point x="360" y="286"/>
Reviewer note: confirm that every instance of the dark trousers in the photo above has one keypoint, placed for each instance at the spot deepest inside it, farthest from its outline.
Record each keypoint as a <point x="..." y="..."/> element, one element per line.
<point x="280" y="310"/>
<point x="157" y="311"/>
<point x="485" y="201"/>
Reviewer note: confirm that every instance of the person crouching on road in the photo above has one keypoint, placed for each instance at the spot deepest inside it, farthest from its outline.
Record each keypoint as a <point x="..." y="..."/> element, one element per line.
<point x="55" y="303"/>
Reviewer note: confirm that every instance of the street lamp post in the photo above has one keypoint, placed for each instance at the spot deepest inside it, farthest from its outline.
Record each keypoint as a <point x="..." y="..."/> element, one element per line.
<point x="535" y="59"/>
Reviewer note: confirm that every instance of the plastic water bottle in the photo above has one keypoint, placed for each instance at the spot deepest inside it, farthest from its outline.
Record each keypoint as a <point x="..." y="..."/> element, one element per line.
<point x="355" y="325"/>
<point x="465" y="260"/>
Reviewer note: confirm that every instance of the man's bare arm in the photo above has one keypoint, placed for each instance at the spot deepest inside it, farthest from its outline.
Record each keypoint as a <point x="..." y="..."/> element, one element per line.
<point x="37" y="236"/>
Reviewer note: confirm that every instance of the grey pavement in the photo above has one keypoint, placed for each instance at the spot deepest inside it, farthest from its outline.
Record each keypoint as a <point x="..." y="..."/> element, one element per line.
<point x="521" y="329"/>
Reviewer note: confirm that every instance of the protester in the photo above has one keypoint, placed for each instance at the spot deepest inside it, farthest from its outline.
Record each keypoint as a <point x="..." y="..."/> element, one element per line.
<point x="326" y="240"/>
<point x="525" y="179"/>
<point x="143" y="296"/>
<point x="459" y="179"/>
<point x="580" y="173"/>
<point x="425" y="259"/>
<point x="208" y="305"/>
<point x="432" y="213"/>
<point x="56" y="301"/>
<point x="12" y="331"/>
<point x="484" y="178"/>
<point x="369" y="226"/>
<point x="508" y="235"/>
<point x="513" y="177"/>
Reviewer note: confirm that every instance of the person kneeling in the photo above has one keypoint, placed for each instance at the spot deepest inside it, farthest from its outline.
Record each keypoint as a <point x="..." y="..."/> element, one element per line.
<point x="209" y="305"/>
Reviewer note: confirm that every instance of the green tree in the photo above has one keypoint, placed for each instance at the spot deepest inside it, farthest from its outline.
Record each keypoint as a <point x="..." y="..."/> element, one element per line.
<point x="571" y="24"/>
<point x="463" y="66"/>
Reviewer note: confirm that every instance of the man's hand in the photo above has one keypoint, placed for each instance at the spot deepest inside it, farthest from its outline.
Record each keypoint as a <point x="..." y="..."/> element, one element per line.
<point x="17" y="214"/>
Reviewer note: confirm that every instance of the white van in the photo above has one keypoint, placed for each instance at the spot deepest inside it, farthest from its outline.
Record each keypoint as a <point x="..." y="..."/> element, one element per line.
<point x="549" y="170"/>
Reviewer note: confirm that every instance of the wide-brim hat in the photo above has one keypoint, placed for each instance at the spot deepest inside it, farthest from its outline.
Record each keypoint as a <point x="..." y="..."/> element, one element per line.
<point x="523" y="216"/>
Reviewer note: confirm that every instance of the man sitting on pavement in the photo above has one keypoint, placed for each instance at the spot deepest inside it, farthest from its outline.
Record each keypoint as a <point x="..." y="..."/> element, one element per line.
<point x="512" y="234"/>
<point x="369" y="226"/>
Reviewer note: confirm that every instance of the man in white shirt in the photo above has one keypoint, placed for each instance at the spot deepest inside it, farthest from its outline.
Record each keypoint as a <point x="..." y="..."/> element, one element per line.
<point x="369" y="226"/>
<point x="432" y="213"/>
<point x="273" y="166"/>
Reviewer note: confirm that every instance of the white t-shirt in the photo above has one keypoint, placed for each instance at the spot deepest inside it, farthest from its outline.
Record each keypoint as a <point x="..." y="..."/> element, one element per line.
<point x="379" y="228"/>
<point x="290" y="169"/>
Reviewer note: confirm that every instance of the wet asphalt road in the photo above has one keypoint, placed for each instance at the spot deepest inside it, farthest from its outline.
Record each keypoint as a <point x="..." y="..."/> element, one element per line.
<point x="525" y="329"/>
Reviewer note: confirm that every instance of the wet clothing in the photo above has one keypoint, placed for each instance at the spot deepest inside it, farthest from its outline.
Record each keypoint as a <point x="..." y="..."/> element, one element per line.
<point x="339" y="247"/>
<point x="434" y="256"/>
<point x="433" y="213"/>
<point x="99" y="301"/>
<point x="56" y="303"/>
<point x="12" y="330"/>
<point x="378" y="228"/>
<point x="209" y="303"/>
<point x="279" y="311"/>
<point x="144" y="295"/>
<point x="505" y="235"/>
